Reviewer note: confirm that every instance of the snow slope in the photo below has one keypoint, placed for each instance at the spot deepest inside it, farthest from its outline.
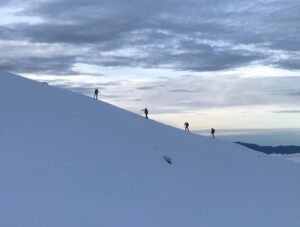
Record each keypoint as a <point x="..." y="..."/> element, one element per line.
<point x="67" y="160"/>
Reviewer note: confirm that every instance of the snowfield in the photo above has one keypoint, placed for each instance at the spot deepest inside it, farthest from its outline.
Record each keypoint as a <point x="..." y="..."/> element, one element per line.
<point x="67" y="160"/>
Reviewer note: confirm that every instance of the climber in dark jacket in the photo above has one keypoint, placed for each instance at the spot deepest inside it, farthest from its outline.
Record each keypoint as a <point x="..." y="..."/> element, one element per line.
<point x="96" y="94"/>
<point x="146" y="112"/>
<point x="186" y="124"/>
<point x="213" y="132"/>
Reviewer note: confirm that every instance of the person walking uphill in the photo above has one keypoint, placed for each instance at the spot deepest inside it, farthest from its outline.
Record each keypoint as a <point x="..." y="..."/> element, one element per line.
<point x="96" y="92"/>
<point x="146" y="112"/>
<point x="186" y="124"/>
<point x="213" y="132"/>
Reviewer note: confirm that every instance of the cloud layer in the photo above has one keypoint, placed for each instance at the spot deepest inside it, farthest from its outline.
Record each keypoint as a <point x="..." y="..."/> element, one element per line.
<point x="191" y="35"/>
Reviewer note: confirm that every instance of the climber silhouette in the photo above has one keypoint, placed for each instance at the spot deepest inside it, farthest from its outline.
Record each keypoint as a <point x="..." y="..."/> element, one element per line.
<point x="96" y="94"/>
<point x="186" y="124"/>
<point x="146" y="112"/>
<point x="213" y="132"/>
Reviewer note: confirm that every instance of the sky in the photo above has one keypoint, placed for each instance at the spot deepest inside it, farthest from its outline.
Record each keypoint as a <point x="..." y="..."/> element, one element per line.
<point x="215" y="63"/>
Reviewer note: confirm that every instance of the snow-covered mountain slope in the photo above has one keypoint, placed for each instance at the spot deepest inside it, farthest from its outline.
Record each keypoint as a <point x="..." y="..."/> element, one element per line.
<point x="67" y="160"/>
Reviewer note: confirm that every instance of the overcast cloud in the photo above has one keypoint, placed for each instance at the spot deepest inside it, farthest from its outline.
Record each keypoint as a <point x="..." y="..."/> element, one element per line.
<point x="182" y="35"/>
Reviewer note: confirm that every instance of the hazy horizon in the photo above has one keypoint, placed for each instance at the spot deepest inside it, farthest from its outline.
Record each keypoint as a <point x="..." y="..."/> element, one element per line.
<point x="263" y="137"/>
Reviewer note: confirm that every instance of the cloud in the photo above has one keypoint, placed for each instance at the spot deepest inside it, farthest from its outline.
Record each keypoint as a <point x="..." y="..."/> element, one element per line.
<point x="147" y="87"/>
<point x="202" y="92"/>
<point x="59" y="65"/>
<point x="287" y="111"/>
<point x="191" y="35"/>
<point x="182" y="90"/>
<point x="292" y="63"/>
<point x="293" y="93"/>
<point x="7" y="33"/>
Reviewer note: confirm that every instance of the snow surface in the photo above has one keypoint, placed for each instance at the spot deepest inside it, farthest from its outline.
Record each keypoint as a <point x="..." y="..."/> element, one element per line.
<point x="67" y="160"/>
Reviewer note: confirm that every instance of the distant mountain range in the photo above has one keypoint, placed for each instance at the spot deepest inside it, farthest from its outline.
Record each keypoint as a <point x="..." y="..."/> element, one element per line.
<point x="272" y="150"/>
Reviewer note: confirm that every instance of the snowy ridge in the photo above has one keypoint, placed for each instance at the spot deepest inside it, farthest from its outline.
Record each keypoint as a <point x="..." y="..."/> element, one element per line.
<point x="67" y="160"/>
